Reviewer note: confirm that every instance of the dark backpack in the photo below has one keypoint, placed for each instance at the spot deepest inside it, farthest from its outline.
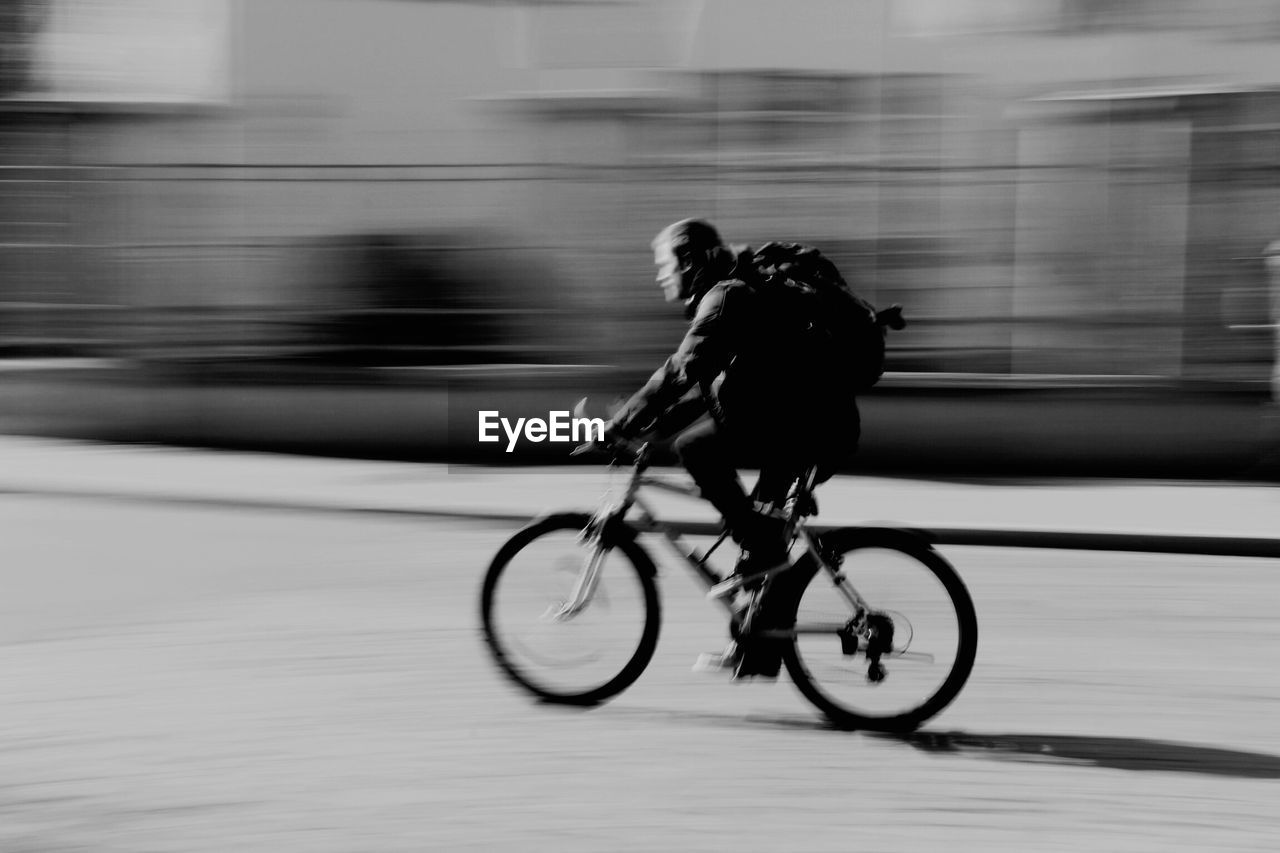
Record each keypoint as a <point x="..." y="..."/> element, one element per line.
<point x="850" y="332"/>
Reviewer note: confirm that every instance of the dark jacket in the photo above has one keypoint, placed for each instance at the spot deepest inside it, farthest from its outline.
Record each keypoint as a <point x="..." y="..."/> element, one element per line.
<point x="746" y="350"/>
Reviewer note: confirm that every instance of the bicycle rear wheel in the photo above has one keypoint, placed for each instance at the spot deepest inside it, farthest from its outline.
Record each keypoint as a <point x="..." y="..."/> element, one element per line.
<point x="574" y="658"/>
<point x="908" y="586"/>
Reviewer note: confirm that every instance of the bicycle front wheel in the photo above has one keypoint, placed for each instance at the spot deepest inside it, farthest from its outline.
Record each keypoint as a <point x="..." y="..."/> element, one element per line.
<point x="916" y="599"/>
<point x="572" y="656"/>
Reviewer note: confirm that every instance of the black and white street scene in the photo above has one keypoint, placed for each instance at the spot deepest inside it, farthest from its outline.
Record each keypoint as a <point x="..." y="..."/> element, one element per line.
<point x="639" y="425"/>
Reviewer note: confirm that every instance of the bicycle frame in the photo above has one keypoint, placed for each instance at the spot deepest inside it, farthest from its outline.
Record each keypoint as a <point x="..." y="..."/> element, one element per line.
<point x="697" y="560"/>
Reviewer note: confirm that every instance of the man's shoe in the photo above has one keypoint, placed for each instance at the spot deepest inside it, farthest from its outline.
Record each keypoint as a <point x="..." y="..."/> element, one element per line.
<point x="761" y="659"/>
<point x="742" y="663"/>
<point x="725" y="661"/>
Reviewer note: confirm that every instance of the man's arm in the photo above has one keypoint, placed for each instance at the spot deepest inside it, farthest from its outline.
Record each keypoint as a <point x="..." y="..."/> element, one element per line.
<point x="701" y="357"/>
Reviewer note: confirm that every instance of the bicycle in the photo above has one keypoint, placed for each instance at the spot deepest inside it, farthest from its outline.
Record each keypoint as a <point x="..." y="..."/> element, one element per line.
<point x="863" y="649"/>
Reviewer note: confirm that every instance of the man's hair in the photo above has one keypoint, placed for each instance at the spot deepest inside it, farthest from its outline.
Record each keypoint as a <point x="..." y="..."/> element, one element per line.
<point x="688" y="237"/>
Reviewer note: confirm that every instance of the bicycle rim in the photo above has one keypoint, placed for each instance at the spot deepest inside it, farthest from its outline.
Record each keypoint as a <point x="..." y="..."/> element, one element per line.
<point x="579" y="658"/>
<point x="935" y="639"/>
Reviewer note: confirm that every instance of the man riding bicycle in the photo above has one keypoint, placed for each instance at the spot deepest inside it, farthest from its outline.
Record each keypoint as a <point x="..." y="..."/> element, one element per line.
<point x="747" y="361"/>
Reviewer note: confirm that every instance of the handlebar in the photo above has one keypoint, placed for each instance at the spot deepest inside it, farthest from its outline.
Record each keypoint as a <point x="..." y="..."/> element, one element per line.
<point x="617" y="451"/>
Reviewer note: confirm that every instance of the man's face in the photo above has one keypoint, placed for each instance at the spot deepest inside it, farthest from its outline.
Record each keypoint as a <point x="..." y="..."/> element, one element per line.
<point x="671" y="276"/>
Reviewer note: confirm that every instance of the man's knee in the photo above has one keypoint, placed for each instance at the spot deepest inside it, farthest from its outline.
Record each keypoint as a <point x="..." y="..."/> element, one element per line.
<point x="698" y="445"/>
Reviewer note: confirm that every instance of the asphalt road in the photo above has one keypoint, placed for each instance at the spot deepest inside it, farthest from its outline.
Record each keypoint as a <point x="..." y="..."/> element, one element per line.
<point x="190" y="678"/>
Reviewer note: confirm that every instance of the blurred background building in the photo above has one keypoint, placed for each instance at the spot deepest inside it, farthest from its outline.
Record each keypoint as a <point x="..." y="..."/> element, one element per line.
<point x="1070" y="192"/>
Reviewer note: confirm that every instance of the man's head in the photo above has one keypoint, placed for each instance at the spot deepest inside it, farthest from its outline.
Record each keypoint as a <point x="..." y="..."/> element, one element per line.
<point x="685" y="253"/>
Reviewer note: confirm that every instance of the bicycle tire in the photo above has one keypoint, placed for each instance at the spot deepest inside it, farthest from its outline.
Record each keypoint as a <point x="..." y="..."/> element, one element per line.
<point x="846" y="543"/>
<point x="623" y="542"/>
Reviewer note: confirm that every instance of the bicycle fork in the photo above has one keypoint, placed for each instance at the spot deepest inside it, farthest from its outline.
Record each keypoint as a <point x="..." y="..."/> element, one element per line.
<point x="584" y="589"/>
<point x="594" y="537"/>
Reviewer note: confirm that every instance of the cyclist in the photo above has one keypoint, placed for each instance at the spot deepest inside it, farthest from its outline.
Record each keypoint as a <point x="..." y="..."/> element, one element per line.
<point x="770" y="404"/>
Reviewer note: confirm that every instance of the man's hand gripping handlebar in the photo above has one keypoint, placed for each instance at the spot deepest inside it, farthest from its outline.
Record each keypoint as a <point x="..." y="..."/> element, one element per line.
<point x="619" y="449"/>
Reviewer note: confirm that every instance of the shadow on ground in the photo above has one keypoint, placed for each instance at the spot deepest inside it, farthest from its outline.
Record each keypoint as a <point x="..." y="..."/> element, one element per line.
<point x="1116" y="753"/>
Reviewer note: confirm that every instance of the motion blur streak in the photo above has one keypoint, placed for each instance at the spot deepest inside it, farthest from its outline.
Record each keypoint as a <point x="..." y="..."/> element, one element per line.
<point x="1070" y="198"/>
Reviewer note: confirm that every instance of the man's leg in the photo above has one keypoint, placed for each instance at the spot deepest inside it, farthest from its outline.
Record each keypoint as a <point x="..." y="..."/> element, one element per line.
<point x="775" y="481"/>
<point x="762" y="657"/>
<point x="708" y="455"/>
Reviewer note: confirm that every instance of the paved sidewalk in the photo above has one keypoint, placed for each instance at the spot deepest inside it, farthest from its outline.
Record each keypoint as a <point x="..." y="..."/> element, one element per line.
<point x="289" y="682"/>
<point x="258" y="479"/>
